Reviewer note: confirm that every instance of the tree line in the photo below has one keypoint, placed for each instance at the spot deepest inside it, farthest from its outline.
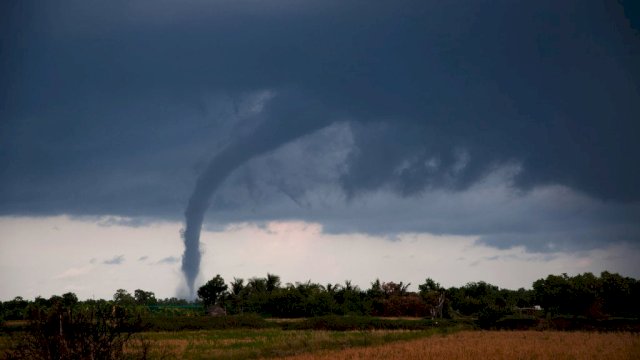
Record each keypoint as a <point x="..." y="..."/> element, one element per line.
<point x="607" y="295"/>
<point x="586" y="295"/>
<point x="62" y="327"/>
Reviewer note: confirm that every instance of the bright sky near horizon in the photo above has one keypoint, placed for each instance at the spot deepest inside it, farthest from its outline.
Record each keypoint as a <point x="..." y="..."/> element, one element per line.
<point x="323" y="141"/>
<point x="54" y="255"/>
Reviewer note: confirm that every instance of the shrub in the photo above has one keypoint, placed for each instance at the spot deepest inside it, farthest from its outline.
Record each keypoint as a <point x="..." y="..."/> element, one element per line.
<point x="70" y="331"/>
<point x="349" y="323"/>
<point x="489" y="316"/>
<point x="177" y="323"/>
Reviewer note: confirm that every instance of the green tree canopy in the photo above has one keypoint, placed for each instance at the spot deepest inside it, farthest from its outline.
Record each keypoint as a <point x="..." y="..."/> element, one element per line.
<point x="212" y="291"/>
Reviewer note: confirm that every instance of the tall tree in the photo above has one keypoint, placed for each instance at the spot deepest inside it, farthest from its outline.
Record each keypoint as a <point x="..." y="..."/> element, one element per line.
<point x="122" y="297"/>
<point x="144" y="297"/>
<point x="212" y="291"/>
<point x="273" y="282"/>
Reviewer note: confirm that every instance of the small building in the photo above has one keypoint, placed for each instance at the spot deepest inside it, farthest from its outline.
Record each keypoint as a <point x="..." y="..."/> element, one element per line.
<point x="536" y="309"/>
<point x="216" y="310"/>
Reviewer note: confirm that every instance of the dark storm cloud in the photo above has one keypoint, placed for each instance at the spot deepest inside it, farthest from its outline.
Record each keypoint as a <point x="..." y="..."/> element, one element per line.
<point x="116" y="109"/>
<point x="544" y="219"/>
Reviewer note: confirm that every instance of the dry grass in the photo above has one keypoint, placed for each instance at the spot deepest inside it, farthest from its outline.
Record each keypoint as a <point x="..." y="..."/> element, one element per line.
<point x="477" y="345"/>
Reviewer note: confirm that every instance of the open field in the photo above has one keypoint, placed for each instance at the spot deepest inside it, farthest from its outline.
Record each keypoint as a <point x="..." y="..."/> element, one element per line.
<point x="251" y="336"/>
<point x="246" y="343"/>
<point x="326" y="338"/>
<point x="263" y="343"/>
<point x="499" y="345"/>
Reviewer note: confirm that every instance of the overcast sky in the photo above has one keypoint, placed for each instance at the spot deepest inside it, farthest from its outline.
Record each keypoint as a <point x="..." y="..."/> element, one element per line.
<point x="326" y="140"/>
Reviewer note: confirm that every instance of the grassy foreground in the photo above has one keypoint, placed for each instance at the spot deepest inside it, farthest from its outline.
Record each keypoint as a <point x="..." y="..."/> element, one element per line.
<point x="251" y="336"/>
<point x="263" y="343"/>
<point x="475" y="345"/>
<point x="360" y="338"/>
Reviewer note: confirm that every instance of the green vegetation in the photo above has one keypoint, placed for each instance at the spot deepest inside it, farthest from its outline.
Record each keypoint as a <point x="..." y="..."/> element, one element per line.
<point x="586" y="295"/>
<point x="304" y="316"/>
<point x="610" y="295"/>
<point x="234" y="336"/>
<point x="329" y="322"/>
<point x="62" y="328"/>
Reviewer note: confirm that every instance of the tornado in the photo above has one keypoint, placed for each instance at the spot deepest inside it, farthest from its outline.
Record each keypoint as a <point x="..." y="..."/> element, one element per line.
<point x="286" y="118"/>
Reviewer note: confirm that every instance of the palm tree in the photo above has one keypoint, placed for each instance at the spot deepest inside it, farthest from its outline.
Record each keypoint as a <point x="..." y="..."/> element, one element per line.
<point x="273" y="282"/>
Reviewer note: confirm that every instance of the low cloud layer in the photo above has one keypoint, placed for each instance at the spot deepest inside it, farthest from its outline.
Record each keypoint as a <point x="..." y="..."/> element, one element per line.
<point x="545" y="218"/>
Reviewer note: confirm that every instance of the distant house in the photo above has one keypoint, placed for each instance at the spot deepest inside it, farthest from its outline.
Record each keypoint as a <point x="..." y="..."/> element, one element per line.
<point x="536" y="309"/>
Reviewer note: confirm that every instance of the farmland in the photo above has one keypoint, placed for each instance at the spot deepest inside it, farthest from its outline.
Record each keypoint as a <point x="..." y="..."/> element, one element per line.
<point x="303" y="345"/>
<point x="250" y="336"/>
<point x="383" y="344"/>
<point x="500" y="345"/>
<point x="448" y="342"/>
<point x="263" y="343"/>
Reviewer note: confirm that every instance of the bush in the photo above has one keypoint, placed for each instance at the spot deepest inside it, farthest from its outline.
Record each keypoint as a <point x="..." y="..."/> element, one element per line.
<point x="349" y="323"/>
<point x="177" y="323"/>
<point x="517" y="323"/>
<point x="489" y="316"/>
<point x="70" y="331"/>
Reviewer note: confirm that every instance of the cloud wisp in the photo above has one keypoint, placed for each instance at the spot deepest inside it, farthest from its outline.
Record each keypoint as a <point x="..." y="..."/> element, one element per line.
<point x="116" y="260"/>
<point x="169" y="260"/>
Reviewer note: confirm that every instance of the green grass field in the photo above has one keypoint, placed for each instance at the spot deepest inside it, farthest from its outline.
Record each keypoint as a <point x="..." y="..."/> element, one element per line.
<point x="263" y="343"/>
